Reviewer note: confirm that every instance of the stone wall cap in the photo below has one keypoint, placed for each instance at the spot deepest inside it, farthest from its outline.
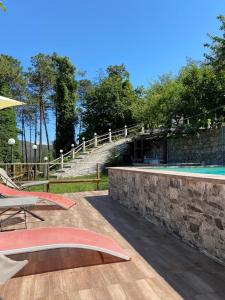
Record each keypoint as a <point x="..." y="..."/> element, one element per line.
<point x="191" y="176"/>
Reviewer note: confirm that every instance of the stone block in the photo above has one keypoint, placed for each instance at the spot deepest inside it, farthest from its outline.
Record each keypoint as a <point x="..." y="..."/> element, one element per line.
<point x="189" y="208"/>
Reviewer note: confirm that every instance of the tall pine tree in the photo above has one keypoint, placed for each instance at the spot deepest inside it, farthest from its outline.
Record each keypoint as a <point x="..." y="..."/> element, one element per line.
<point x="41" y="82"/>
<point x="65" y="100"/>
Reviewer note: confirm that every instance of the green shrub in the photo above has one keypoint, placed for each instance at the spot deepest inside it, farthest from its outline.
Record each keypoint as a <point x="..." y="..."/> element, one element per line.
<point x="114" y="159"/>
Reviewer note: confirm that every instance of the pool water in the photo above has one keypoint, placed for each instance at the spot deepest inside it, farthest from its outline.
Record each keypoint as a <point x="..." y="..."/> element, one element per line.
<point x="200" y="170"/>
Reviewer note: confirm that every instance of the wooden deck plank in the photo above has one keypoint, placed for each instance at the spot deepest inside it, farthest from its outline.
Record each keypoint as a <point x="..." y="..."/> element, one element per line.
<point x="147" y="291"/>
<point x="116" y="291"/>
<point x="162" y="267"/>
<point x="87" y="294"/>
<point x="101" y="293"/>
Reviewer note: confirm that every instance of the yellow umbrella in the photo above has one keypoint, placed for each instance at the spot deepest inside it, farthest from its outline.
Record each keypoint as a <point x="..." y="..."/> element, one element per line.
<point x="6" y="102"/>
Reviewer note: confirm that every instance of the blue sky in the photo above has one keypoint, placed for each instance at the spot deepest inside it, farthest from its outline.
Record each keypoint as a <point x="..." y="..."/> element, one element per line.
<point x="149" y="37"/>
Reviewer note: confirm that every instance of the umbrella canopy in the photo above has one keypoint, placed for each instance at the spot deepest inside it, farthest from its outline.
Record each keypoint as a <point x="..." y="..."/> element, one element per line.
<point x="6" y="102"/>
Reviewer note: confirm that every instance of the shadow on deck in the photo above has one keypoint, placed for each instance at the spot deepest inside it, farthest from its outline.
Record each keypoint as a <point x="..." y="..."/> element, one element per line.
<point x="193" y="275"/>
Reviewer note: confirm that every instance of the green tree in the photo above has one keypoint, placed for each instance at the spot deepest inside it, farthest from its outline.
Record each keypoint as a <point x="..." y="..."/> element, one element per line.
<point x="2" y="6"/>
<point x="41" y="77"/>
<point x="107" y="104"/>
<point x="186" y="102"/>
<point x="138" y="107"/>
<point x="84" y="87"/>
<point x="202" y="94"/>
<point x="162" y="104"/>
<point x="12" y="84"/>
<point x="65" y="100"/>
<point x="216" y="55"/>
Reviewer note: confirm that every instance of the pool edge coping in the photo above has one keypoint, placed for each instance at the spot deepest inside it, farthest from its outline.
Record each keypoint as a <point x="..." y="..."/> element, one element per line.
<point x="190" y="176"/>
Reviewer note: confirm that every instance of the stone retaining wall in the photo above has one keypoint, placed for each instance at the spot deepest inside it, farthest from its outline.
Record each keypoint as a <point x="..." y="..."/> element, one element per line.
<point x="208" y="147"/>
<point x="189" y="205"/>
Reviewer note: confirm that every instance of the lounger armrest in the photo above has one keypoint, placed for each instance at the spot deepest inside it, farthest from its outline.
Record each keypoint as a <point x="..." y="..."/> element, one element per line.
<point x="33" y="183"/>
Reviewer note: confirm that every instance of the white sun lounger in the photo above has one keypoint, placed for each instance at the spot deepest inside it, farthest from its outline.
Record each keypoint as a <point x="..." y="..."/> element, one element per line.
<point x="8" y="202"/>
<point x="9" y="267"/>
<point x="9" y="182"/>
<point x="21" y="204"/>
<point x="27" y="242"/>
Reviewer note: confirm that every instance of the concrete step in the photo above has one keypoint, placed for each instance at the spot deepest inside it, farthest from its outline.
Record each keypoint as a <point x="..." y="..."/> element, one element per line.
<point x="52" y="176"/>
<point x="85" y="163"/>
<point x="67" y="166"/>
<point x="60" y="171"/>
<point x="82" y="155"/>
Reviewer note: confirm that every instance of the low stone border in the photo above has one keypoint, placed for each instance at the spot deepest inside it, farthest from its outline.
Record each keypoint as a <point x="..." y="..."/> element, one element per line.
<point x="189" y="205"/>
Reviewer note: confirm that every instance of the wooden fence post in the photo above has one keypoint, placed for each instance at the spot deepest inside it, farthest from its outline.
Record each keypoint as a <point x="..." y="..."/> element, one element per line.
<point x="28" y="171"/>
<point x="20" y="169"/>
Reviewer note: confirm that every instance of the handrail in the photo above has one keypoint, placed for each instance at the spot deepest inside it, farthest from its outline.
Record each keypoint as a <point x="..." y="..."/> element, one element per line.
<point x="89" y="143"/>
<point x="66" y="159"/>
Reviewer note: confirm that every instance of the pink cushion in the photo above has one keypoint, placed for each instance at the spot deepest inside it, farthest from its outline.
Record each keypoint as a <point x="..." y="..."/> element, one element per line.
<point x="64" y="202"/>
<point x="31" y="240"/>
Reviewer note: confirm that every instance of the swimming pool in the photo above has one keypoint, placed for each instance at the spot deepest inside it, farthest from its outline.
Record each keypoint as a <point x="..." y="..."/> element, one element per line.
<point x="201" y="170"/>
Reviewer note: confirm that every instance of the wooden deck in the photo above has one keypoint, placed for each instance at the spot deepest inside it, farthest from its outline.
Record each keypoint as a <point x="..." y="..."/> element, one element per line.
<point x="162" y="267"/>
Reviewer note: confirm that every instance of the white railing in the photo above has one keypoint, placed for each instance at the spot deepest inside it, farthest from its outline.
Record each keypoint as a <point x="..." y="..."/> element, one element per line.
<point x="91" y="144"/>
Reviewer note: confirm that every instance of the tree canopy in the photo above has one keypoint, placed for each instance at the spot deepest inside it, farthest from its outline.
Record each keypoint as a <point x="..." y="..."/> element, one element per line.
<point x="41" y="77"/>
<point x="193" y="99"/>
<point x="107" y="103"/>
<point x="2" y="6"/>
<point x="65" y="99"/>
<point x="186" y="101"/>
<point x="216" y="55"/>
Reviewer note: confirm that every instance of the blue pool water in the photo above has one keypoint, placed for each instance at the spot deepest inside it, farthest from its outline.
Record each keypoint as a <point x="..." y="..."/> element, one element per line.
<point x="200" y="170"/>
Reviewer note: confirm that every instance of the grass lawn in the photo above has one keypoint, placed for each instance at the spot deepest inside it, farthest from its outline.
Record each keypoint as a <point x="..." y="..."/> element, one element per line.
<point x="61" y="188"/>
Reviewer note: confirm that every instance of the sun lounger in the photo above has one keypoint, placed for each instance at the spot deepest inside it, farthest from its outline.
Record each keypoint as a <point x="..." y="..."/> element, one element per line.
<point x="21" y="205"/>
<point x="42" y="241"/>
<point x="9" y="267"/>
<point x="9" y="182"/>
<point x="37" y="239"/>
<point x="63" y="202"/>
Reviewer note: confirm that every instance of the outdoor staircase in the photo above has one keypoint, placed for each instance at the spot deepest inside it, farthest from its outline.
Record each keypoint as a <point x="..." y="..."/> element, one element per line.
<point x="83" y="159"/>
<point x="85" y="164"/>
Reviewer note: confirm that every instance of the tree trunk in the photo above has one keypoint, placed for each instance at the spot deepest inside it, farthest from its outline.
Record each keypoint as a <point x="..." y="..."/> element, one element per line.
<point x="30" y="142"/>
<point x="25" y="142"/>
<point x="80" y="128"/>
<point x="22" y="142"/>
<point x="35" y="129"/>
<point x="46" y="128"/>
<point x="56" y="130"/>
<point x="40" y="132"/>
